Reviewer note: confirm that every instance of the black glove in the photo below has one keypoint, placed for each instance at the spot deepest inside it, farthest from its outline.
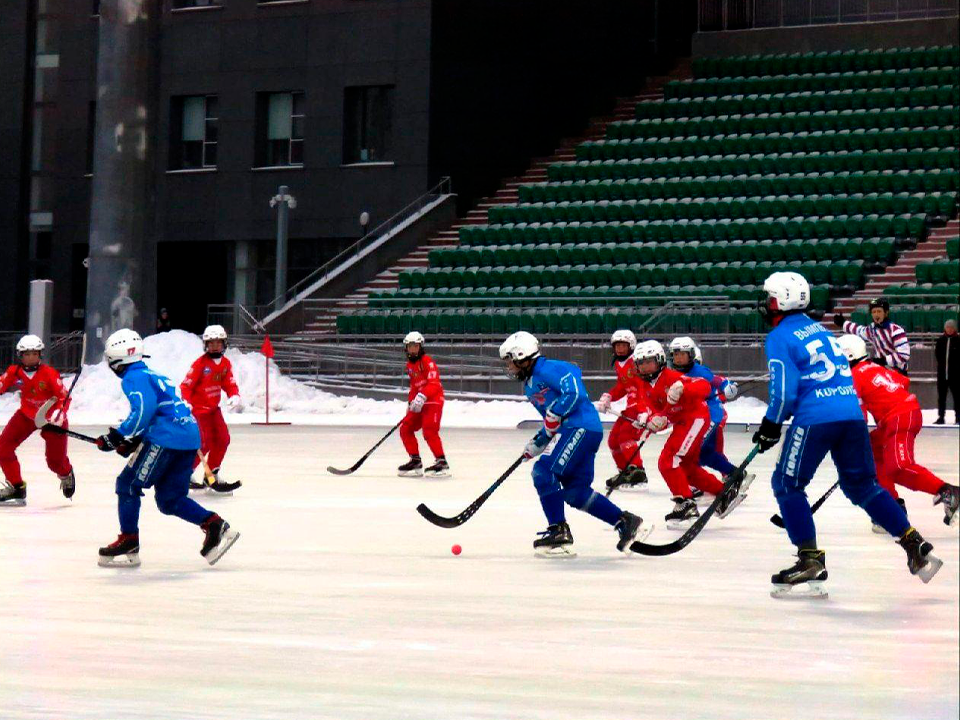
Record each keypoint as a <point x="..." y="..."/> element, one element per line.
<point x="113" y="440"/>
<point x="879" y="360"/>
<point x="838" y="320"/>
<point x="126" y="448"/>
<point x="768" y="435"/>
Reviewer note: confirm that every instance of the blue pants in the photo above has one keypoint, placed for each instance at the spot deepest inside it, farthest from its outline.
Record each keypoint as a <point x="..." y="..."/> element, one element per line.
<point x="168" y="472"/>
<point x="566" y="474"/>
<point x="848" y="443"/>
<point x="710" y="455"/>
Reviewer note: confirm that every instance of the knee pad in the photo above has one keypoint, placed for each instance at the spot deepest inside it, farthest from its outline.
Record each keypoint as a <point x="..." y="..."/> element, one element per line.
<point x="544" y="480"/>
<point x="577" y="496"/>
<point x="126" y="487"/>
<point x="166" y="505"/>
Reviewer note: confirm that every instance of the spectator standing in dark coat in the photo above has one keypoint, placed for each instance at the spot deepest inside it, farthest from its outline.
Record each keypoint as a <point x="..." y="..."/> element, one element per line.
<point x="947" y="353"/>
<point x="163" y="321"/>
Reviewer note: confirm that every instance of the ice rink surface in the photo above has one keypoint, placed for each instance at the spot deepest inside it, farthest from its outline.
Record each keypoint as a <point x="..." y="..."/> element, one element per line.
<point x="339" y="601"/>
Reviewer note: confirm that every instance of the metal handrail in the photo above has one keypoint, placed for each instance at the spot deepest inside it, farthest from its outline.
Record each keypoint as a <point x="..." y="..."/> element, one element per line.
<point x="866" y="11"/>
<point x="442" y="188"/>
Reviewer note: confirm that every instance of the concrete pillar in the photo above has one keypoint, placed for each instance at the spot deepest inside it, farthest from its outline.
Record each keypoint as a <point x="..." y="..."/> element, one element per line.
<point x="121" y="288"/>
<point x="41" y="309"/>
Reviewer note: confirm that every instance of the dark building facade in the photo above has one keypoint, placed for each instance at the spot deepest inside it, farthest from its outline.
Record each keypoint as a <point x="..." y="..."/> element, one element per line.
<point x="355" y="105"/>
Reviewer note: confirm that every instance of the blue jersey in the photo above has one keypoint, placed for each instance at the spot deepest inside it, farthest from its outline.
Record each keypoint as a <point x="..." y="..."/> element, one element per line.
<point x="717" y="413"/>
<point x="157" y="414"/>
<point x="810" y="379"/>
<point x="557" y="387"/>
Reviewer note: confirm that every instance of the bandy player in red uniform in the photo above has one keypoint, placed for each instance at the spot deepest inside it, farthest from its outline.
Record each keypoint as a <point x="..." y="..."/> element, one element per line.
<point x="886" y="395"/>
<point x="425" y="407"/>
<point x="37" y="383"/>
<point x="624" y="437"/>
<point x="211" y="374"/>
<point x="673" y="398"/>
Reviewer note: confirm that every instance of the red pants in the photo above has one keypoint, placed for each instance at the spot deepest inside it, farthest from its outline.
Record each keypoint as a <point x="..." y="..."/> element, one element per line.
<point x="427" y="420"/>
<point x="214" y="438"/>
<point x="623" y="444"/>
<point x="19" y="429"/>
<point x="892" y="444"/>
<point x="680" y="460"/>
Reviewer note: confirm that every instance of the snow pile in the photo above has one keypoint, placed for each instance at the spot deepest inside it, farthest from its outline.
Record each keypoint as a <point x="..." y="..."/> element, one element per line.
<point x="98" y="399"/>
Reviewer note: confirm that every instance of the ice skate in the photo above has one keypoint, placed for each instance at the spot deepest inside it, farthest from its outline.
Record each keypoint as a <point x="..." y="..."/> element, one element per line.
<point x="555" y="541"/>
<point x="735" y="489"/>
<point x="198" y="485"/>
<point x="124" y="552"/>
<point x="632" y="477"/>
<point x="683" y="515"/>
<point x="920" y="557"/>
<point x="878" y="529"/>
<point x="440" y="469"/>
<point x="68" y="484"/>
<point x="630" y="528"/>
<point x="412" y="468"/>
<point x="803" y="580"/>
<point x="222" y="487"/>
<point x="13" y="495"/>
<point x="219" y="538"/>
<point x="949" y="495"/>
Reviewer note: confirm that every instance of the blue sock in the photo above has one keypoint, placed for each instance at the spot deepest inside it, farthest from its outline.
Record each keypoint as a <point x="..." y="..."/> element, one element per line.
<point x="552" y="503"/>
<point x="128" y="508"/>
<point x="602" y="509"/>
<point x="887" y="513"/>
<point x="798" y="519"/>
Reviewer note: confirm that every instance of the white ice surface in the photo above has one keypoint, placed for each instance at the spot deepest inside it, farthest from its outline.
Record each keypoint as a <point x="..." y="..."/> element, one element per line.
<point x="340" y="602"/>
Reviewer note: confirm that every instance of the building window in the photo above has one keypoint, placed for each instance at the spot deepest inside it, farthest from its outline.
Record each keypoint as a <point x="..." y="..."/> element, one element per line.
<point x="181" y="4"/>
<point x="280" y="122"/>
<point x="193" y="125"/>
<point x="91" y="134"/>
<point x="368" y="124"/>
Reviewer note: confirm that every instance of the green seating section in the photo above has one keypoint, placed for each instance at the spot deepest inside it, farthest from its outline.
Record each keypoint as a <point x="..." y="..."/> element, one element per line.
<point x="825" y="163"/>
<point x="938" y="272"/>
<point x="790" y="122"/>
<point x="815" y="82"/>
<point x="727" y="163"/>
<point x="953" y="248"/>
<point x="924" y="293"/>
<point x="935" y="203"/>
<point x="742" y="185"/>
<point x="650" y="231"/>
<point x="836" y="61"/>
<point x="794" y="102"/>
<point x="502" y="321"/>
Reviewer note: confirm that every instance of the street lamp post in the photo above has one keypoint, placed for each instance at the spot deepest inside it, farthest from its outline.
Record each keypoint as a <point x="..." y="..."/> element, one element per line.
<point x="284" y="202"/>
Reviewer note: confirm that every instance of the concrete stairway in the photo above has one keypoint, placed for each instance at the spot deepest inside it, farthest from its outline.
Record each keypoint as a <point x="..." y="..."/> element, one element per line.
<point x="904" y="270"/>
<point x="324" y="323"/>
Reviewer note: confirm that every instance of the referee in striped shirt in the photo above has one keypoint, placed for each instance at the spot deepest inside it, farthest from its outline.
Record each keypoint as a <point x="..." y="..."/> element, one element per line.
<point x="890" y="343"/>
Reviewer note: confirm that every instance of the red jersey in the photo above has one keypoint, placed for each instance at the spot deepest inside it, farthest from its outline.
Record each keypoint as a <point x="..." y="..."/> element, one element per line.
<point x="883" y="392"/>
<point x="693" y="402"/>
<point x="626" y="386"/>
<point x="35" y="388"/>
<point x="203" y="383"/>
<point x="424" y="378"/>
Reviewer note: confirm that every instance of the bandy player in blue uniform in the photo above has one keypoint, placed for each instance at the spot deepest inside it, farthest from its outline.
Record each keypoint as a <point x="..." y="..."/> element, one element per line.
<point x="162" y="436"/>
<point x="565" y="474"/>
<point x="811" y="381"/>
<point x="685" y="357"/>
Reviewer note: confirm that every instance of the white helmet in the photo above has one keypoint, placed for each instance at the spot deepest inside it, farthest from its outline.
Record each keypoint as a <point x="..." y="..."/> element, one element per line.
<point x="517" y="348"/>
<point x="790" y="290"/>
<point x="684" y="344"/>
<point x="413" y="337"/>
<point x="853" y="347"/>
<point x="214" y="332"/>
<point x="123" y="348"/>
<point x="646" y="350"/>
<point x="29" y="343"/>
<point x="626" y="336"/>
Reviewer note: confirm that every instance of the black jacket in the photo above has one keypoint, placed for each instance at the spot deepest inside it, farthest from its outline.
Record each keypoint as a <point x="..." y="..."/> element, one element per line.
<point x="948" y="356"/>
